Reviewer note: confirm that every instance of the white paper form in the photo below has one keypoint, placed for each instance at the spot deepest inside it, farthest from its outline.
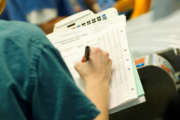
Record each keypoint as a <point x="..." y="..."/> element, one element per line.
<point x="62" y="25"/>
<point x="72" y="45"/>
<point x="114" y="42"/>
<point x="76" y="21"/>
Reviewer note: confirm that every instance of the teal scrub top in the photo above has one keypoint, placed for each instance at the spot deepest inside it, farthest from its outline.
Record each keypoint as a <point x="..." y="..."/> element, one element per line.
<point x="35" y="83"/>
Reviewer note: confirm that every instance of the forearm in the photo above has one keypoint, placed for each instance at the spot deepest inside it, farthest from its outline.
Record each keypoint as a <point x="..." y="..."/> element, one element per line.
<point x="99" y="95"/>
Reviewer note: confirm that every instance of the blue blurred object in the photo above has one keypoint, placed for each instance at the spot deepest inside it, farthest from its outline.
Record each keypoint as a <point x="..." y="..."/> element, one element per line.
<point x="104" y="4"/>
<point x="18" y="9"/>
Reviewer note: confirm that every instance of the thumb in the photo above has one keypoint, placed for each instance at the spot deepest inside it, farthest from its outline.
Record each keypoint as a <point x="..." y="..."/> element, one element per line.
<point x="80" y="66"/>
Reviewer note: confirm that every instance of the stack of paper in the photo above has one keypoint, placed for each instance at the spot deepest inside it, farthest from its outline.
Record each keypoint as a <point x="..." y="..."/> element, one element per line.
<point x="105" y="30"/>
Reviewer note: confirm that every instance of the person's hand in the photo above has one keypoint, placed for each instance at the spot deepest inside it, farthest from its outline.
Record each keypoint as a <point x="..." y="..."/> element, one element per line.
<point x="92" y="5"/>
<point x="96" y="8"/>
<point x="97" y="74"/>
<point x="97" y="70"/>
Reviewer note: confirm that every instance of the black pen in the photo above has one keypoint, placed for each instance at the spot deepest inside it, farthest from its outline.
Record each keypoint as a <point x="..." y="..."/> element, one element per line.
<point x="87" y="53"/>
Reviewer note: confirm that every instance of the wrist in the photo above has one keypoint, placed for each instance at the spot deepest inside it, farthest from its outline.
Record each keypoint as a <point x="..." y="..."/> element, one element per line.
<point x="92" y="83"/>
<point x="98" y="90"/>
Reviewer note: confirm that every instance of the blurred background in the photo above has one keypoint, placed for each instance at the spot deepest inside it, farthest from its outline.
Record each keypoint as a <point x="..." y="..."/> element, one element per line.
<point x="152" y="24"/>
<point x="149" y="25"/>
<point x="45" y="13"/>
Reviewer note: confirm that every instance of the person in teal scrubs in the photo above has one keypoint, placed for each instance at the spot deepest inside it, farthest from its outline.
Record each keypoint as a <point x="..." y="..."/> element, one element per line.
<point x="35" y="83"/>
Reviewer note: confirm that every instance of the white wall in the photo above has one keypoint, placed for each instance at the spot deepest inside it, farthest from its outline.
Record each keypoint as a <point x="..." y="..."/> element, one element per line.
<point x="162" y="8"/>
